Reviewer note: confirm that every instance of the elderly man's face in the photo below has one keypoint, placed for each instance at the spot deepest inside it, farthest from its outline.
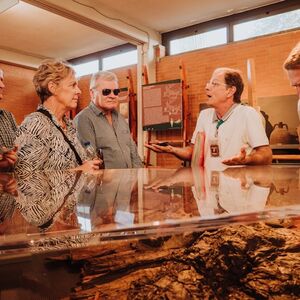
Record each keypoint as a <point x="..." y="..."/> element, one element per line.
<point x="2" y="86"/>
<point x="107" y="102"/>
<point x="294" y="77"/>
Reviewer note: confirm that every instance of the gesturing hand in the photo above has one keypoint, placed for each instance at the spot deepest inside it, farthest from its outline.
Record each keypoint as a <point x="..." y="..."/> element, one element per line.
<point x="159" y="149"/>
<point x="240" y="159"/>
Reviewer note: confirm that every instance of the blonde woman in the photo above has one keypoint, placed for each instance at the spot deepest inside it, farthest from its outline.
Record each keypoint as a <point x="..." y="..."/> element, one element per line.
<point x="46" y="138"/>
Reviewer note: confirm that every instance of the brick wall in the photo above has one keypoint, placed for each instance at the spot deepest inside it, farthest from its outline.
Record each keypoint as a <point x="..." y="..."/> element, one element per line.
<point x="19" y="94"/>
<point x="268" y="52"/>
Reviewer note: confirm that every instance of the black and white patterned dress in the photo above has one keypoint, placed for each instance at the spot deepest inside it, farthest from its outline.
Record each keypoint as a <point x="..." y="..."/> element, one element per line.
<point x="44" y="197"/>
<point x="42" y="145"/>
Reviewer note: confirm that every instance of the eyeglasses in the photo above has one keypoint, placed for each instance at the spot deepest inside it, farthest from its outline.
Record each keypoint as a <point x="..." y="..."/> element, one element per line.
<point x="215" y="83"/>
<point x="106" y="92"/>
<point x="296" y="85"/>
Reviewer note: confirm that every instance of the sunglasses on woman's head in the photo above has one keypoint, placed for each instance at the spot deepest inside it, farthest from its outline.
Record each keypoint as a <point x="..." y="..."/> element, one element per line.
<point x="106" y="92"/>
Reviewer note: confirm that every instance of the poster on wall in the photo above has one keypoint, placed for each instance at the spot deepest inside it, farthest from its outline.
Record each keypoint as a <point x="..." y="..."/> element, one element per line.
<point x="162" y="105"/>
<point x="280" y="118"/>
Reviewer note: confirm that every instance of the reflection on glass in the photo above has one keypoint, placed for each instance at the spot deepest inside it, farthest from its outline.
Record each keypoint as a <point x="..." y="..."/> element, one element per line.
<point x="46" y="200"/>
<point x="8" y="191"/>
<point x="110" y="204"/>
<point x="73" y="209"/>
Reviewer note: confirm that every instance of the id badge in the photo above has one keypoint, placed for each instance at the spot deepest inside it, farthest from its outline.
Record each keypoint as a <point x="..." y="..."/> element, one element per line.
<point x="214" y="179"/>
<point x="214" y="148"/>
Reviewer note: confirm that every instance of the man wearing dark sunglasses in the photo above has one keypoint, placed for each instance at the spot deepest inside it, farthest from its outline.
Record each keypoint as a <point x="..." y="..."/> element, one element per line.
<point x="104" y="127"/>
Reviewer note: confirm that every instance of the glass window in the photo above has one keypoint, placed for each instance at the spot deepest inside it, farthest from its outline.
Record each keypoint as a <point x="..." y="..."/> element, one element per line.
<point x="199" y="41"/>
<point x="87" y="68"/>
<point x="267" y="25"/>
<point x="120" y="60"/>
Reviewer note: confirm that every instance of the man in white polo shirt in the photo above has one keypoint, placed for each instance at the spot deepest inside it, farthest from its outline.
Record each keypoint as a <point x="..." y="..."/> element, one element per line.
<point x="292" y="66"/>
<point x="234" y="133"/>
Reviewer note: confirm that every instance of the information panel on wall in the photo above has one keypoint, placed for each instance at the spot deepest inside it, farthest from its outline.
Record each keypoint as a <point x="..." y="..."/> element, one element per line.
<point x="162" y="105"/>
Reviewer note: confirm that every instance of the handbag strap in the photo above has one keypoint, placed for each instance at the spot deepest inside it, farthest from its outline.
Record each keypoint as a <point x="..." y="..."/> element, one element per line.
<point x="47" y="114"/>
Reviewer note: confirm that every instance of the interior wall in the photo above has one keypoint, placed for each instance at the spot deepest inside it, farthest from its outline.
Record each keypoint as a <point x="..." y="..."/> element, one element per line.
<point x="268" y="52"/>
<point x="19" y="94"/>
<point x="21" y="99"/>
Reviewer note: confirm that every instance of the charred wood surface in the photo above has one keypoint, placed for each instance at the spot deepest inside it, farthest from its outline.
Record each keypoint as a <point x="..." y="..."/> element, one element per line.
<point x="260" y="261"/>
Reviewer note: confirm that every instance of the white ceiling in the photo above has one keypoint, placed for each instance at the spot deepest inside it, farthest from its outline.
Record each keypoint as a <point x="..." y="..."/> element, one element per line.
<point x="29" y="30"/>
<point x="167" y="15"/>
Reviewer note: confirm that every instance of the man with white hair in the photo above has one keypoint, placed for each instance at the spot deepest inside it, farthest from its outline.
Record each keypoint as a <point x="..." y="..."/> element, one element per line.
<point x="8" y="129"/>
<point x="103" y="127"/>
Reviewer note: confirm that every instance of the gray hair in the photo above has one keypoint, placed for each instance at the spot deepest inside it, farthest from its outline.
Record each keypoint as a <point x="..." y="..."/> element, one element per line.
<point x="104" y="75"/>
<point x="293" y="60"/>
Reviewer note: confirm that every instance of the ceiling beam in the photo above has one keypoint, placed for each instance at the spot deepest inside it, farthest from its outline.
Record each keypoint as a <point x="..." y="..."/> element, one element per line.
<point x="89" y="17"/>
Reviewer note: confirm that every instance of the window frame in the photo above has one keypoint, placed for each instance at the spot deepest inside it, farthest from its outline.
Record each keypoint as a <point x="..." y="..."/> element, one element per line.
<point x="89" y="61"/>
<point x="113" y="55"/>
<point x="102" y="54"/>
<point x="229" y="22"/>
<point x="196" y="32"/>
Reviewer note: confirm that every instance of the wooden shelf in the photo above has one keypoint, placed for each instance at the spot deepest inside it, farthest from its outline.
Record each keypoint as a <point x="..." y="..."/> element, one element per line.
<point x="285" y="146"/>
<point x="286" y="157"/>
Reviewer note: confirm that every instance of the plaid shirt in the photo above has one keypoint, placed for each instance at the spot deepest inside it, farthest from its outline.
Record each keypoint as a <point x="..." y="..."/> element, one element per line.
<point x="8" y="128"/>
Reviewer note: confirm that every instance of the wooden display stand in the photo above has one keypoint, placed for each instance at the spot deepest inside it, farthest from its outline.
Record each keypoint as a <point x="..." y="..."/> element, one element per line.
<point x="184" y="140"/>
<point x="252" y="94"/>
<point x="132" y="106"/>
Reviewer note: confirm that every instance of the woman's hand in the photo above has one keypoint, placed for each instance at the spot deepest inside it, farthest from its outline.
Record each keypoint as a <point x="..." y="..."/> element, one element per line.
<point x="8" y="184"/>
<point x="8" y="157"/>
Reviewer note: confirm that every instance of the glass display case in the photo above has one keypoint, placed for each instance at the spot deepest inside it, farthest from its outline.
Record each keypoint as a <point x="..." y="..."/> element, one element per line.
<point x="185" y="233"/>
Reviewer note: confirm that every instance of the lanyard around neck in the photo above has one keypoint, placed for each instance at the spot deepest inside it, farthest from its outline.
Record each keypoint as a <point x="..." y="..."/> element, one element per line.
<point x="220" y="122"/>
<point x="47" y="114"/>
<point x="226" y="117"/>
